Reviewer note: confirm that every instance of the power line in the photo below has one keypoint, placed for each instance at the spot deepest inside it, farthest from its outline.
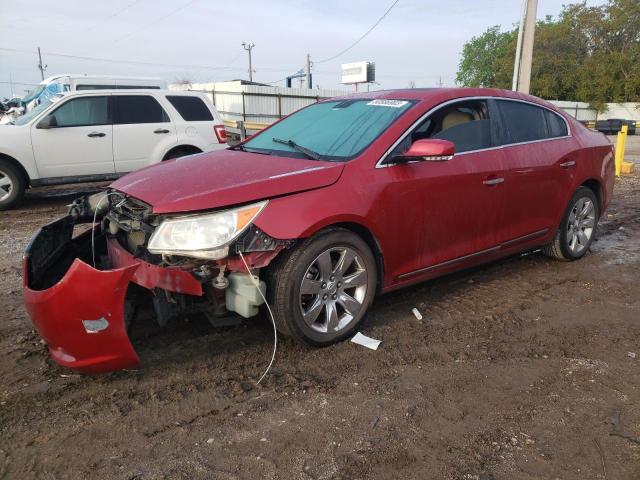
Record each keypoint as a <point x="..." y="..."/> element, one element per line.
<point x="135" y="62"/>
<point x="362" y="37"/>
<point x="157" y="20"/>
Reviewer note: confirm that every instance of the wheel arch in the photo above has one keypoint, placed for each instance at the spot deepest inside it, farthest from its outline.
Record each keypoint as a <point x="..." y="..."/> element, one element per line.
<point x="372" y="242"/>
<point x="18" y="165"/>
<point x="596" y="187"/>
<point x="189" y="149"/>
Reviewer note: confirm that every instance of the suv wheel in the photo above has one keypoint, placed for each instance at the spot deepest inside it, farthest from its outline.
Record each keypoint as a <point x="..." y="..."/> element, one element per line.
<point x="12" y="185"/>
<point x="321" y="290"/>
<point x="578" y="227"/>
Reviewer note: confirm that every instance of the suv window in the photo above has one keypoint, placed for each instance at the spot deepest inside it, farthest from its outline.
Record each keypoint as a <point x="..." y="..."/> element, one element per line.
<point x="84" y="111"/>
<point x="464" y="123"/>
<point x="524" y="122"/>
<point x="555" y="125"/>
<point x="191" y="109"/>
<point x="130" y="109"/>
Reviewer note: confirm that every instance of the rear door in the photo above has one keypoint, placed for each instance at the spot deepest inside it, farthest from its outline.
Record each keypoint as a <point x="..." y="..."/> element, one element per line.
<point x="540" y="160"/>
<point x="81" y="144"/>
<point x="142" y="131"/>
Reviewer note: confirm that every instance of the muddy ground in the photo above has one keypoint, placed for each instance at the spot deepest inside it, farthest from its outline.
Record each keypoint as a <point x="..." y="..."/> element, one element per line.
<point x="519" y="370"/>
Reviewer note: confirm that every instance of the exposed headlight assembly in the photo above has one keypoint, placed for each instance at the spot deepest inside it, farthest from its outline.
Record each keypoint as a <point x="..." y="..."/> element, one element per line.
<point x="203" y="236"/>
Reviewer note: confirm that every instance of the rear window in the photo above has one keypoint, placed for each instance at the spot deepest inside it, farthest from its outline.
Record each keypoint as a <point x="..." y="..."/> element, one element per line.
<point x="129" y="109"/>
<point x="192" y="109"/>
<point x="556" y="125"/>
<point x="524" y="122"/>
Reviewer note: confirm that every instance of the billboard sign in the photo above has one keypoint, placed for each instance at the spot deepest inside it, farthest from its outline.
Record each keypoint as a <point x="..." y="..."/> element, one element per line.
<point x="358" y="72"/>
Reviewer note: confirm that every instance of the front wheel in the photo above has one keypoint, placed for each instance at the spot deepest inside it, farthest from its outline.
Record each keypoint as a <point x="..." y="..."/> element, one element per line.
<point x="578" y="227"/>
<point x="321" y="290"/>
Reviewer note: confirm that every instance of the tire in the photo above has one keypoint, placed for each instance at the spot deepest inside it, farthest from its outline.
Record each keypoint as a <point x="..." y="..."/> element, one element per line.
<point x="577" y="229"/>
<point x="12" y="185"/>
<point x="334" y="310"/>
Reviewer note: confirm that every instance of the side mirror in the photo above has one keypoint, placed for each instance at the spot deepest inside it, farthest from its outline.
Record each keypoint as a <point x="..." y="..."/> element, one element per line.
<point x="428" y="149"/>
<point x="48" y="122"/>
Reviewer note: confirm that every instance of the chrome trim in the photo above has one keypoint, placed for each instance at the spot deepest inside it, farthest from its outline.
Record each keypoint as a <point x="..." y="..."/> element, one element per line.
<point x="493" y="181"/>
<point x="380" y="162"/>
<point x="502" y="246"/>
<point x="524" y="238"/>
<point x="449" y="262"/>
<point x="568" y="164"/>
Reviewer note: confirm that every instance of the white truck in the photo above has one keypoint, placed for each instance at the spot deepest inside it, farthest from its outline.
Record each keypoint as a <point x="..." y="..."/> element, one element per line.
<point x="92" y="135"/>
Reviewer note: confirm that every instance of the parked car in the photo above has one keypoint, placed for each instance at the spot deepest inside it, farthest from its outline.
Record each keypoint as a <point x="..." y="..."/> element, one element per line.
<point x="613" y="125"/>
<point x="342" y="200"/>
<point x="100" y="135"/>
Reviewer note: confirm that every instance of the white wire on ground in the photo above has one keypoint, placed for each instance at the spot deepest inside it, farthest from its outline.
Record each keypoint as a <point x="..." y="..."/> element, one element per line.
<point x="273" y="320"/>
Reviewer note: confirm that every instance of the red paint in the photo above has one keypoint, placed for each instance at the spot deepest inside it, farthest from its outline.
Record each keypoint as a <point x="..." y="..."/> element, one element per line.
<point x="430" y="147"/>
<point x="84" y="293"/>
<point x="151" y="276"/>
<point x="421" y="213"/>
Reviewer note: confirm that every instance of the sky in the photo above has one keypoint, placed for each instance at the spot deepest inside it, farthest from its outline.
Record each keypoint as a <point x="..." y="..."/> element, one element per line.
<point x="200" y="40"/>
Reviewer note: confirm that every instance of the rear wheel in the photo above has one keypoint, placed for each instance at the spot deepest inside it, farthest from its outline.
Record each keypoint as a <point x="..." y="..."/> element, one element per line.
<point x="12" y="185"/>
<point x="578" y="227"/>
<point x="321" y="290"/>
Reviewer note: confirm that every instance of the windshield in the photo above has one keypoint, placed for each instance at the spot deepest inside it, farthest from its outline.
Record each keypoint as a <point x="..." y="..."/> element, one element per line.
<point x="33" y="113"/>
<point x="335" y="130"/>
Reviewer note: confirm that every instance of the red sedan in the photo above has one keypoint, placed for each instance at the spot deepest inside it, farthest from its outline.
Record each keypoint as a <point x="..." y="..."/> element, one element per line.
<point x="340" y="201"/>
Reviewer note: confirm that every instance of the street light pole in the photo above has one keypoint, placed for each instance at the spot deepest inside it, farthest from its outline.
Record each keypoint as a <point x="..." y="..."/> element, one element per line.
<point x="524" y="47"/>
<point x="248" y="47"/>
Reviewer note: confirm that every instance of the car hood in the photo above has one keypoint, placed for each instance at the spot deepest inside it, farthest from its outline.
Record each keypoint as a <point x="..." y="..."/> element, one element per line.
<point x="223" y="178"/>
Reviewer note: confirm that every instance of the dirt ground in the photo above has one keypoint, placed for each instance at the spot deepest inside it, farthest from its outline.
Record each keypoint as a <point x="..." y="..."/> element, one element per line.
<point x="519" y="370"/>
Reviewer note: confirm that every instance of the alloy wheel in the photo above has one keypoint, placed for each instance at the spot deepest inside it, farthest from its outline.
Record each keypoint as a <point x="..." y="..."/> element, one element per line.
<point x="6" y="186"/>
<point x="581" y="224"/>
<point x="333" y="290"/>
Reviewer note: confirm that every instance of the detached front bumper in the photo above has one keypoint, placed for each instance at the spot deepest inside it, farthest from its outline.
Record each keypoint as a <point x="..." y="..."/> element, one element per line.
<point x="80" y="310"/>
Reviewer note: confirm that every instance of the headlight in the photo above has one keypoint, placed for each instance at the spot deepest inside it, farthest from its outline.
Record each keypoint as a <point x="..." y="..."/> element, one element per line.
<point x="203" y="236"/>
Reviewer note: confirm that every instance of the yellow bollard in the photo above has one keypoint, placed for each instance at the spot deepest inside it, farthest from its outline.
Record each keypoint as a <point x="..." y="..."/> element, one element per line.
<point x="620" y="144"/>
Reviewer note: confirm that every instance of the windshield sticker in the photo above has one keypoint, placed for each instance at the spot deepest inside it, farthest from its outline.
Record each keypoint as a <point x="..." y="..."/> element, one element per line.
<point x="388" y="103"/>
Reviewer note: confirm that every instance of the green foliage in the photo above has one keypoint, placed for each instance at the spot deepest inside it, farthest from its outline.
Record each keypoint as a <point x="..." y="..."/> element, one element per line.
<point x="589" y="54"/>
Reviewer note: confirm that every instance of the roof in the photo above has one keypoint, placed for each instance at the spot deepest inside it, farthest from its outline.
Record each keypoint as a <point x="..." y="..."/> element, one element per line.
<point x="438" y="95"/>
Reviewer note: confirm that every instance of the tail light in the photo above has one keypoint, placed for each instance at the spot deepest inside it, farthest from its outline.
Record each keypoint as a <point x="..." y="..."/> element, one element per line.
<point x="221" y="133"/>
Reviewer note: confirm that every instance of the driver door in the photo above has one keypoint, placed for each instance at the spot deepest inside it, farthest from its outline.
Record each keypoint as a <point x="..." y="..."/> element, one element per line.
<point x="457" y="205"/>
<point x="80" y="144"/>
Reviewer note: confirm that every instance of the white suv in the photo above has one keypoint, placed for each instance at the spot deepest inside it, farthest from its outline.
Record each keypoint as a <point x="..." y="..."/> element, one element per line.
<point x="85" y="136"/>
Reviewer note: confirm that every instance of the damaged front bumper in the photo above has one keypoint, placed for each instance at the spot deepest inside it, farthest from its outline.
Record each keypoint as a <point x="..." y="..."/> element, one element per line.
<point x="79" y="310"/>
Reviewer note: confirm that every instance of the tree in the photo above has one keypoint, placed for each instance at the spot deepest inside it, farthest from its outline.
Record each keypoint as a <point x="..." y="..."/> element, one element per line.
<point x="589" y="54"/>
<point x="482" y="59"/>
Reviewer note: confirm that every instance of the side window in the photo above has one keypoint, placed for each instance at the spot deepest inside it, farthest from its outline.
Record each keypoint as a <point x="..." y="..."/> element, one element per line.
<point x="523" y="122"/>
<point x="84" y="111"/>
<point x="192" y="109"/>
<point x="130" y="109"/>
<point x="555" y="125"/>
<point x="465" y="123"/>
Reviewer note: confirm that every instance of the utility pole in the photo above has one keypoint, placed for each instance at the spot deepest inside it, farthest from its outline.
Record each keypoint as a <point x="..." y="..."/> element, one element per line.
<point x="440" y="84"/>
<point x="248" y="47"/>
<point x="524" y="47"/>
<point x="307" y="71"/>
<point x="41" y="66"/>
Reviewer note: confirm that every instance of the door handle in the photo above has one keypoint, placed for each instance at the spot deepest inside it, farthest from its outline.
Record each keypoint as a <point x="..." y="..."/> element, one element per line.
<point x="161" y="130"/>
<point x="96" y="134"/>
<point x="493" y="181"/>
<point x="568" y="164"/>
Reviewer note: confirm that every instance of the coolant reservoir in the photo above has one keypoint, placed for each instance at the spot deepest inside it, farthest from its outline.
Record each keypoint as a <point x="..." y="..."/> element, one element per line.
<point x="242" y="296"/>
